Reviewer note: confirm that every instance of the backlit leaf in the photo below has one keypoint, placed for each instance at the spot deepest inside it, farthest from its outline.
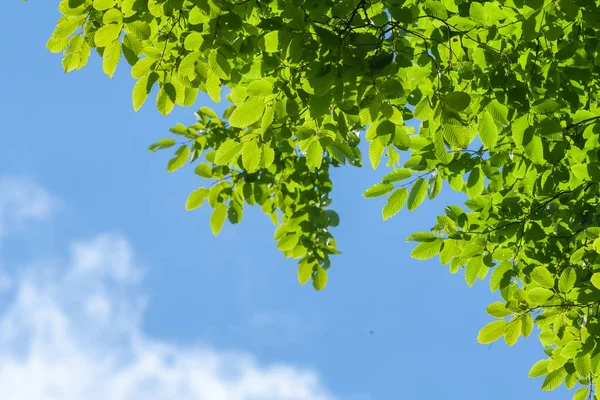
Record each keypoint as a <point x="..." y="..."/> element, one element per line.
<point x="492" y="332"/>
<point x="247" y="113"/>
<point x="217" y="218"/>
<point x="417" y="194"/>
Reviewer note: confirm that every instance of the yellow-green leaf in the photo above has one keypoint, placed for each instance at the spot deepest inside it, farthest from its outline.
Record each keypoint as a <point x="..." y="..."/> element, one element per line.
<point x="397" y="175"/>
<point x="217" y="218"/>
<point x="567" y="280"/>
<point x="107" y="34"/>
<point x="247" y="113"/>
<point x="111" y="57"/>
<point x="488" y="132"/>
<point x="167" y="96"/>
<point x="427" y="250"/>
<point x="141" y="90"/>
<point x="320" y="279"/>
<point x="305" y="271"/>
<point x="492" y="332"/>
<point x="375" y="152"/>
<point x="196" y="198"/>
<point x="417" y="194"/>
<point x="227" y="151"/>
<point x="538" y="369"/>
<point x="513" y="331"/>
<point x="542" y="276"/>
<point x="378" y="189"/>
<point x="181" y="157"/>
<point x="596" y="280"/>
<point x="314" y="155"/>
<point x="554" y="379"/>
<point x="394" y="203"/>
<point x="498" y="310"/>
<point x="102" y="5"/>
<point x="251" y="155"/>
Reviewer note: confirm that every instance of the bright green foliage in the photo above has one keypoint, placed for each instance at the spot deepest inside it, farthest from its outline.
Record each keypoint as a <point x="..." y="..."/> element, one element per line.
<point x="304" y="77"/>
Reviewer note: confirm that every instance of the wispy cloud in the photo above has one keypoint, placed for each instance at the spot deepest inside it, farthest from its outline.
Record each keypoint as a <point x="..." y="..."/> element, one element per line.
<point x="22" y="200"/>
<point x="72" y="330"/>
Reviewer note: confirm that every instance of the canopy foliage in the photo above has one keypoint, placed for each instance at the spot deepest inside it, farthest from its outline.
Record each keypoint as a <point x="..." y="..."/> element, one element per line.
<point x="504" y="94"/>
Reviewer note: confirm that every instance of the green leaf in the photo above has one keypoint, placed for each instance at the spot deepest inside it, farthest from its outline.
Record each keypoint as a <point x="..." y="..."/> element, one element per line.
<point x="542" y="276"/>
<point x="213" y="87"/>
<point x="76" y="54"/>
<point x="459" y="101"/>
<point x="567" y="280"/>
<point x="394" y="203"/>
<point x="475" y="183"/>
<point x="111" y="57"/>
<point x="193" y="41"/>
<point x="534" y="148"/>
<point x="421" y="237"/>
<point x="427" y="250"/>
<point x="583" y="364"/>
<point x="320" y="279"/>
<point x="272" y="42"/>
<point x="217" y="218"/>
<point x="397" y="175"/>
<point x="57" y="45"/>
<point x="141" y="90"/>
<point x="488" y="132"/>
<point x="196" y="198"/>
<point x="260" y="88"/>
<point x="473" y="269"/>
<point x="305" y="271"/>
<point x="203" y="170"/>
<point x="526" y="325"/>
<point x="102" y="5"/>
<point x="314" y="155"/>
<point x="423" y="109"/>
<point x="596" y="280"/>
<point x="540" y="368"/>
<point x="498" y="111"/>
<point x="378" y="189"/>
<point x="498" y="310"/>
<point x="417" y="194"/>
<point x="477" y="13"/>
<point x="187" y="66"/>
<point x="553" y="379"/>
<point x="538" y="296"/>
<point x="547" y="106"/>
<point x="167" y="96"/>
<point x="162" y="144"/>
<point x="268" y="157"/>
<point x="207" y="111"/>
<point x="434" y="186"/>
<point x="571" y="349"/>
<point x="513" y="331"/>
<point x="107" y="34"/>
<point x="219" y="64"/>
<point x="182" y="155"/>
<point x="227" y="151"/>
<point x="492" y="332"/>
<point x="251" y="155"/>
<point x="375" y="152"/>
<point x="581" y="394"/>
<point x="247" y="113"/>
<point x="288" y="242"/>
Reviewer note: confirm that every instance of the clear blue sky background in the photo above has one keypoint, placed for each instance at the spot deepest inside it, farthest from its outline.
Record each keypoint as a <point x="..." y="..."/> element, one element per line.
<point x="386" y="327"/>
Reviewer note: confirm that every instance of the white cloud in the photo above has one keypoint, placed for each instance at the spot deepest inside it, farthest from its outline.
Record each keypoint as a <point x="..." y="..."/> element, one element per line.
<point x="22" y="200"/>
<point x="72" y="331"/>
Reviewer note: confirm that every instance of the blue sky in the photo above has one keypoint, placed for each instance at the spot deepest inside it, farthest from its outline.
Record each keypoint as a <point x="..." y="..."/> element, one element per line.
<point x="99" y="261"/>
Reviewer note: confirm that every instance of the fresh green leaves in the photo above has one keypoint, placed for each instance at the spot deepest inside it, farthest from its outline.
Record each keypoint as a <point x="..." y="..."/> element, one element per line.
<point x="247" y="113"/>
<point x="500" y="102"/>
